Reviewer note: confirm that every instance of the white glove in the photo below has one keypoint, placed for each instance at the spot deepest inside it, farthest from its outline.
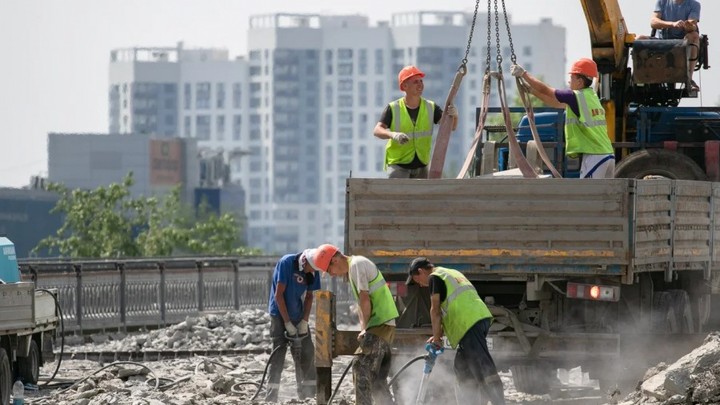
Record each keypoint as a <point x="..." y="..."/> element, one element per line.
<point x="290" y="328"/>
<point x="302" y="327"/>
<point x="452" y="111"/>
<point x="400" y="138"/>
<point x="517" y="70"/>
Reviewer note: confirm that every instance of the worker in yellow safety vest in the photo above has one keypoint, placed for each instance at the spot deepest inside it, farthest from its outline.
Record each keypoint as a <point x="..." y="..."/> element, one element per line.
<point x="407" y="124"/>
<point x="586" y="133"/>
<point x="457" y="310"/>
<point x="377" y="313"/>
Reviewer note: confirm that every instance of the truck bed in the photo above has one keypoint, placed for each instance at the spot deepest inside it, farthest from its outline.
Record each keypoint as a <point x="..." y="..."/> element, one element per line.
<point x="24" y="310"/>
<point x="533" y="226"/>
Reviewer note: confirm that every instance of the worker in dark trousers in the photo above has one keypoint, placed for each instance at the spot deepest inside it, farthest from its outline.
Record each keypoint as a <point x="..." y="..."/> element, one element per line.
<point x="291" y="299"/>
<point x="457" y="310"/>
<point x="377" y="313"/>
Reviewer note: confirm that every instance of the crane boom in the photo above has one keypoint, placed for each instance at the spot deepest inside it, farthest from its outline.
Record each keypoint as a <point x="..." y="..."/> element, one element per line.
<point x="609" y="35"/>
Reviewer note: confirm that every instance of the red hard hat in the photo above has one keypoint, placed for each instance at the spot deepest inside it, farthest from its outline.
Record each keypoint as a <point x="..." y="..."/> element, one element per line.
<point x="323" y="254"/>
<point x="585" y="67"/>
<point x="408" y="72"/>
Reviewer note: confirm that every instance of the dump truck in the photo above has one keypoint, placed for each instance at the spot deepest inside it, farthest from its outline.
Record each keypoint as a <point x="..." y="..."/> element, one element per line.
<point x="28" y="321"/>
<point x="577" y="272"/>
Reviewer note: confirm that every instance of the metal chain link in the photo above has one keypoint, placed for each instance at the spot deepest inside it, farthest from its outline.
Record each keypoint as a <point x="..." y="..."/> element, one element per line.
<point x="489" y="35"/>
<point x="513" y="58"/>
<point x="498" y="58"/>
<point x="472" y="30"/>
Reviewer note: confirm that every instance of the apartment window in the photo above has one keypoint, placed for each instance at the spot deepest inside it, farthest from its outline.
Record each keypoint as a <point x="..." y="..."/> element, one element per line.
<point x="202" y="95"/>
<point x="345" y="101"/>
<point x="237" y="95"/>
<point x="345" y="54"/>
<point x="345" y="85"/>
<point x="362" y="62"/>
<point x="362" y="161"/>
<point x="328" y="126"/>
<point x="220" y="127"/>
<point x="379" y="62"/>
<point x="362" y="124"/>
<point x="527" y="50"/>
<point x="345" y="117"/>
<point x="202" y="127"/>
<point x="329" y="62"/>
<point x="188" y="96"/>
<point x="220" y="95"/>
<point x="379" y="94"/>
<point x="187" y="126"/>
<point x="362" y="94"/>
<point x="345" y="133"/>
<point x="237" y="127"/>
<point x="328" y="95"/>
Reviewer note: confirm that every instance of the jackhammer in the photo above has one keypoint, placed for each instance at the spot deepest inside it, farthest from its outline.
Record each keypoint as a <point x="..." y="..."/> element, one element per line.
<point x="433" y="352"/>
<point x="296" y="352"/>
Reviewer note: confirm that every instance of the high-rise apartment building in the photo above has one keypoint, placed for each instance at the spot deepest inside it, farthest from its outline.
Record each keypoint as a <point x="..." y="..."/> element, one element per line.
<point x="299" y="111"/>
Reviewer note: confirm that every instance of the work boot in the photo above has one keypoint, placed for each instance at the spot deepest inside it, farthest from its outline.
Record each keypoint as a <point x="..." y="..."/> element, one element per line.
<point x="495" y="390"/>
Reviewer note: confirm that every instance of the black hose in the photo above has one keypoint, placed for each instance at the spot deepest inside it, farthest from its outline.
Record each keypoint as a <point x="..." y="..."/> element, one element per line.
<point x="58" y="311"/>
<point x="392" y="380"/>
<point x="267" y="365"/>
<point x="337" y="387"/>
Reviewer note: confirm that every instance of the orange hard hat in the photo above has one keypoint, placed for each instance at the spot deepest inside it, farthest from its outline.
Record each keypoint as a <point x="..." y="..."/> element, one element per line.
<point x="586" y="67"/>
<point x="408" y="72"/>
<point x="323" y="254"/>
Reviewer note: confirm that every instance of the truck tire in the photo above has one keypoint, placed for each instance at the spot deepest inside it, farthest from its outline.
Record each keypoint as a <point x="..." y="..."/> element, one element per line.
<point x="660" y="163"/>
<point x="664" y="319"/>
<point x="532" y="379"/>
<point x="5" y="377"/>
<point x="29" y="367"/>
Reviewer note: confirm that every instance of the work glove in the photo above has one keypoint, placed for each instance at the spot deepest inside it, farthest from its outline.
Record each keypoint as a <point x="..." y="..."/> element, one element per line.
<point x="400" y="138"/>
<point x="302" y="327"/>
<point x="452" y="111"/>
<point x="517" y="70"/>
<point x="291" y="329"/>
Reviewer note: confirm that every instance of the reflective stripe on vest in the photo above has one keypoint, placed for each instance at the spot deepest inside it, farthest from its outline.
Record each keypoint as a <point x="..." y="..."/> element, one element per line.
<point x="382" y="303"/>
<point x="462" y="308"/>
<point x="587" y="133"/>
<point x="419" y="133"/>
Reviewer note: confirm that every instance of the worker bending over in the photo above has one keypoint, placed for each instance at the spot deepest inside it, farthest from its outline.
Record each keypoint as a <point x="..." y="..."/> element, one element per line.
<point x="457" y="310"/>
<point x="291" y="298"/>
<point x="586" y="133"/>
<point x="377" y="313"/>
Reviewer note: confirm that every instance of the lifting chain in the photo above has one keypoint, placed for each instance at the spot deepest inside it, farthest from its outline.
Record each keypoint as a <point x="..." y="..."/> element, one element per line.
<point x="463" y="65"/>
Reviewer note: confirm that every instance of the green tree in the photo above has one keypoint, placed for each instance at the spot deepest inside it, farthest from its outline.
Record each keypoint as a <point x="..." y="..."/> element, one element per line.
<point x="108" y="222"/>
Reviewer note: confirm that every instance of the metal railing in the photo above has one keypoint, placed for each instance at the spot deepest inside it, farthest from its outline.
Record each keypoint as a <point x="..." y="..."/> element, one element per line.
<point x="122" y="293"/>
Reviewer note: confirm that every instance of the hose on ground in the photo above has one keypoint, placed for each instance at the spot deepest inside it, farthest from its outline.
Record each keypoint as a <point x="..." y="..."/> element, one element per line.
<point x="116" y="363"/>
<point x="58" y="310"/>
<point x="262" y="380"/>
<point x="337" y="387"/>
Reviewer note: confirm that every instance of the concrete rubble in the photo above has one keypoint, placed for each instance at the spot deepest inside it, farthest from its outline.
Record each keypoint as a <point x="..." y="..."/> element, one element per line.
<point x="217" y="380"/>
<point x="693" y="379"/>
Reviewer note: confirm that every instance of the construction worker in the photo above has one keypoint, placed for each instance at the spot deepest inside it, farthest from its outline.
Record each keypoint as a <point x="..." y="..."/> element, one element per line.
<point x="294" y="280"/>
<point x="377" y="313"/>
<point x="678" y="19"/>
<point x="586" y="133"/>
<point x="407" y="124"/>
<point x="457" y="310"/>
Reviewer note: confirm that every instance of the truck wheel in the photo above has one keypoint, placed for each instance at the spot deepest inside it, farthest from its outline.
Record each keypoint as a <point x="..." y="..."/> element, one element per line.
<point x="29" y="367"/>
<point x="5" y="377"/>
<point x="532" y="379"/>
<point x="661" y="163"/>
<point x="664" y="319"/>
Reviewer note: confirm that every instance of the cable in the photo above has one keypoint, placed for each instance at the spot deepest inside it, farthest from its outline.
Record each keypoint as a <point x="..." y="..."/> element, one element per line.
<point x="267" y="365"/>
<point x="116" y="363"/>
<point x="58" y="311"/>
<point x="337" y="387"/>
<point x="392" y="380"/>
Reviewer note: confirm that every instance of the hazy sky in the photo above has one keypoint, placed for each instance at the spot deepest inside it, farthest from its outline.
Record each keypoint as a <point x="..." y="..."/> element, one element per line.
<point x="55" y="53"/>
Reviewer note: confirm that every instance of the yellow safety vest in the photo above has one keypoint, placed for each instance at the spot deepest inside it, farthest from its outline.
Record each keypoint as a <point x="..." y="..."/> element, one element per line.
<point x="381" y="301"/>
<point x="462" y="307"/>
<point x="586" y="134"/>
<point x="420" y="133"/>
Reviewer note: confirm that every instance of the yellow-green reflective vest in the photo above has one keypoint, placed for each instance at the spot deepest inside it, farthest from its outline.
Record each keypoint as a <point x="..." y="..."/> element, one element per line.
<point x="586" y="134"/>
<point x="381" y="301"/>
<point x="462" y="307"/>
<point x="420" y="133"/>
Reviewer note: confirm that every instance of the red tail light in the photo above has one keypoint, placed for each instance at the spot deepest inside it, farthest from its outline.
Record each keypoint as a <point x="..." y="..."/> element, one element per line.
<point x="593" y="292"/>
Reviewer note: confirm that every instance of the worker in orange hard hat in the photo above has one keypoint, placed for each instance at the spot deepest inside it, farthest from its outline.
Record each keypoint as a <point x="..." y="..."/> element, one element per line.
<point x="377" y="313"/>
<point x="407" y="125"/>
<point x="586" y="135"/>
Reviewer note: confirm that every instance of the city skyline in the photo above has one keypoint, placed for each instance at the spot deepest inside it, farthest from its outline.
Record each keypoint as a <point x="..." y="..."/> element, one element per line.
<point x="57" y="54"/>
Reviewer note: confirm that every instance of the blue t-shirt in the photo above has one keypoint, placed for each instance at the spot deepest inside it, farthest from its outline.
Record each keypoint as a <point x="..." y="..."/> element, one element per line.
<point x="288" y="272"/>
<point x="671" y="11"/>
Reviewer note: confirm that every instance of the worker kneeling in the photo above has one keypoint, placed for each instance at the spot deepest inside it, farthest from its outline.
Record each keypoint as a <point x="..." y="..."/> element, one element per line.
<point x="291" y="298"/>
<point x="456" y="309"/>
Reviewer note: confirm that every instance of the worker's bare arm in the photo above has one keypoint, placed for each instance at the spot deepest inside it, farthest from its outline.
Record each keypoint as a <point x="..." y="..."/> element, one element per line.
<point x="382" y="131"/>
<point x="365" y="307"/>
<point x="280" y="300"/>
<point x="542" y="91"/>
<point x="436" y="318"/>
